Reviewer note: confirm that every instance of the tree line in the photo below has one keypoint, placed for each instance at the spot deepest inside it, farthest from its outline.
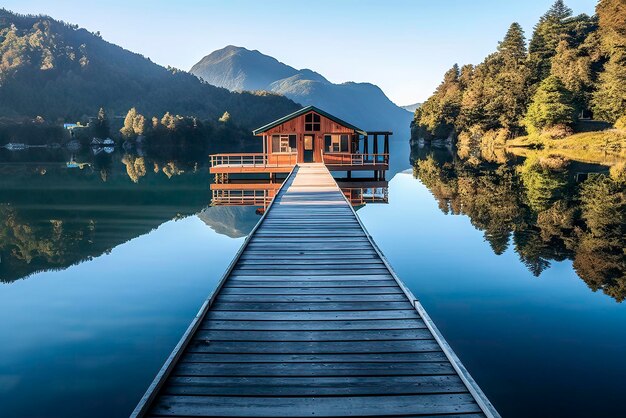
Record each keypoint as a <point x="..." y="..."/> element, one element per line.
<point x="572" y="66"/>
<point x="60" y="72"/>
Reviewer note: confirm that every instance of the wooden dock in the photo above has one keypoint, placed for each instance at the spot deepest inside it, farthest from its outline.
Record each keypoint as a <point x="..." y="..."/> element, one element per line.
<point x="310" y="320"/>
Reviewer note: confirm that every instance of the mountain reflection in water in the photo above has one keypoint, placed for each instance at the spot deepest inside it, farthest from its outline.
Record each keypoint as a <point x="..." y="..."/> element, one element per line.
<point x="58" y="209"/>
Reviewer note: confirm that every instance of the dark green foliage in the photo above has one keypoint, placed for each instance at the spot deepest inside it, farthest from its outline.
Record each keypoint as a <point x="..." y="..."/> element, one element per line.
<point x="609" y="100"/>
<point x="601" y="259"/>
<point x="437" y="115"/>
<point x="552" y="105"/>
<point x="58" y="71"/>
<point x="31" y="133"/>
<point x="543" y="185"/>
<point x="552" y="27"/>
<point x="587" y="54"/>
<point x="100" y="126"/>
<point x="513" y="46"/>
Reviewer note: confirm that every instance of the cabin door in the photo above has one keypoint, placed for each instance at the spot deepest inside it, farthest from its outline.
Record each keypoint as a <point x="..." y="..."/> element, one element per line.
<point x="309" y="140"/>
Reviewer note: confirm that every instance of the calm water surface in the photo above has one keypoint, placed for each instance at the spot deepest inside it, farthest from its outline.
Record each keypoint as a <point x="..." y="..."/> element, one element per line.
<point x="100" y="279"/>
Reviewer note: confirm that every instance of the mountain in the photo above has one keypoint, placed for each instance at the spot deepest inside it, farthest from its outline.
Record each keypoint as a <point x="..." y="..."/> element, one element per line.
<point x="59" y="71"/>
<point x="232" y="221"/>
<point x="412" y="107"/>
<point x="239" y="69"/>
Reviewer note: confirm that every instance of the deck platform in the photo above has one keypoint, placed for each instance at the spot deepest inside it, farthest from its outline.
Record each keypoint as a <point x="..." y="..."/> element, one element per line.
<point x="310" y="320"/>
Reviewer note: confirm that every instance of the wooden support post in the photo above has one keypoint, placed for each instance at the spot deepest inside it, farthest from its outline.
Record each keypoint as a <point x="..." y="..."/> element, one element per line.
<point x="386" y="151"/>
<point x="375" y="147"/>
<point x="365" y="146"/>
<point x="265" y="146"/>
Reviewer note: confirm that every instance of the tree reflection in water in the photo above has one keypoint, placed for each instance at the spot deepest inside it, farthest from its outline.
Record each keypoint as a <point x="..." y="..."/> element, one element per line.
<point x="540" y="208"/>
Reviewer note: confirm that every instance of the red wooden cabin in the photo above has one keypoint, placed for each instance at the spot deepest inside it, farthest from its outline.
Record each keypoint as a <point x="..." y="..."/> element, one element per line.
<point x="309" y="135"/>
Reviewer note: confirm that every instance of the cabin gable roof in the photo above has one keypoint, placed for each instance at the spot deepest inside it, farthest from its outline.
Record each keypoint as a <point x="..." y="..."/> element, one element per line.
<point x="303" y="111"/>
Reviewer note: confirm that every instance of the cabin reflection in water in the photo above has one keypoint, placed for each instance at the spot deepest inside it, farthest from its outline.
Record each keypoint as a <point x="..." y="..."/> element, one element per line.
<point x="309" y="135"/>
<point x="247" y="192"/>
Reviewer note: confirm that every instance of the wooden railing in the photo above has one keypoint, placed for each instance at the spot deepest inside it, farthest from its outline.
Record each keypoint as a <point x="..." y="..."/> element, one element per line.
<point x="360" y="195"/>
<point x="242" y="197"/>
<point x="249" y="159"/>
<point x="290" y="159"/>
<point x="248" y="196"/>
<point x="345" y="158"/>
<point x="253" y="160"/>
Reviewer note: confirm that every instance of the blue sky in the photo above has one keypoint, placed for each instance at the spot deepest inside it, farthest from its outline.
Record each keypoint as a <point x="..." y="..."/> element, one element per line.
<point x="404" y="46"/>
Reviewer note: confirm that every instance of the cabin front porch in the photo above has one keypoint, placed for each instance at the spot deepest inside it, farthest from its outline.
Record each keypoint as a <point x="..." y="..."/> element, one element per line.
<point x="354" y="156"/>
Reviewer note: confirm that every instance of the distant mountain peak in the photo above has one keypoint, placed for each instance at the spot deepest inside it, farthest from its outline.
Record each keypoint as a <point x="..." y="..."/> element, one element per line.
<point x="238" y="68"/>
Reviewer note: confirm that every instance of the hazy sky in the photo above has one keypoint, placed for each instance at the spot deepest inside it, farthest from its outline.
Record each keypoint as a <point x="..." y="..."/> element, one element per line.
<point x="404" y="46"/>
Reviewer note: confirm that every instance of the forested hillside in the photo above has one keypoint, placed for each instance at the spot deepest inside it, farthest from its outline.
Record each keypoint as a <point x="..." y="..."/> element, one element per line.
<point x="58" y="71"/>
<point x="572" y="67"/>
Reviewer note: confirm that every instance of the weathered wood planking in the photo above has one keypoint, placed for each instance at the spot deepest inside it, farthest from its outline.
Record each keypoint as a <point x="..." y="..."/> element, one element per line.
<point x="310" y="319"/>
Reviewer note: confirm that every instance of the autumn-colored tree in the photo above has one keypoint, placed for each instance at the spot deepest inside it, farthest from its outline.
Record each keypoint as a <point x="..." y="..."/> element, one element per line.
<point x="139" y="124"/>
<point x="225" y="117"/>
<point x="127" y="130"/>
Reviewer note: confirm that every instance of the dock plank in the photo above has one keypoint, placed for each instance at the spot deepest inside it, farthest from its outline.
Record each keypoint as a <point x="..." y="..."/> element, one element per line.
<point x="169" y="405"/>
<point x="309" y="319"/>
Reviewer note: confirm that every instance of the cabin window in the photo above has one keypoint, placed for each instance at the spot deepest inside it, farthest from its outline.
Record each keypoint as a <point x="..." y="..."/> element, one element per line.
<point x="337" y="143"/>
<point x="283" y="143"/>
<point x="312" y="122"/>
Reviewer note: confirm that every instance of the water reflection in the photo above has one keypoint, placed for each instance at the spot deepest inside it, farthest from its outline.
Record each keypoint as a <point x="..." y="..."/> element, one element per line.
<point x="260" y="192"/>
<point x="59" y="208"/>
<point x="547" y="207"/>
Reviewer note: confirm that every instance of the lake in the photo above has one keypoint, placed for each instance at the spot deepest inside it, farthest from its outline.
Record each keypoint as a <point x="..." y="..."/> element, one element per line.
<point x="106" y="259"/>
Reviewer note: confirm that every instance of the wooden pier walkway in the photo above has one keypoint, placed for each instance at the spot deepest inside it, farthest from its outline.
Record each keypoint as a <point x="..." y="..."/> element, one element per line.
<point x="310" y="320"/>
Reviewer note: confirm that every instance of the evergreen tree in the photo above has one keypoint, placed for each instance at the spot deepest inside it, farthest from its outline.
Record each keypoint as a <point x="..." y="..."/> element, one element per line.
<point x="559" y="11"/>
<point x="551" y="105"/>
<point x="609" y="100"/>
<point x="101" y="125"/>
<point x="575" y="71"/>
<point x="551" y="28"/>
<point x="513" y="46"/>
<point x="612" y="18"/>
<point x="510" y="94"/>
<point x="437" y="116"/>
<point x="496" y="94"/>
